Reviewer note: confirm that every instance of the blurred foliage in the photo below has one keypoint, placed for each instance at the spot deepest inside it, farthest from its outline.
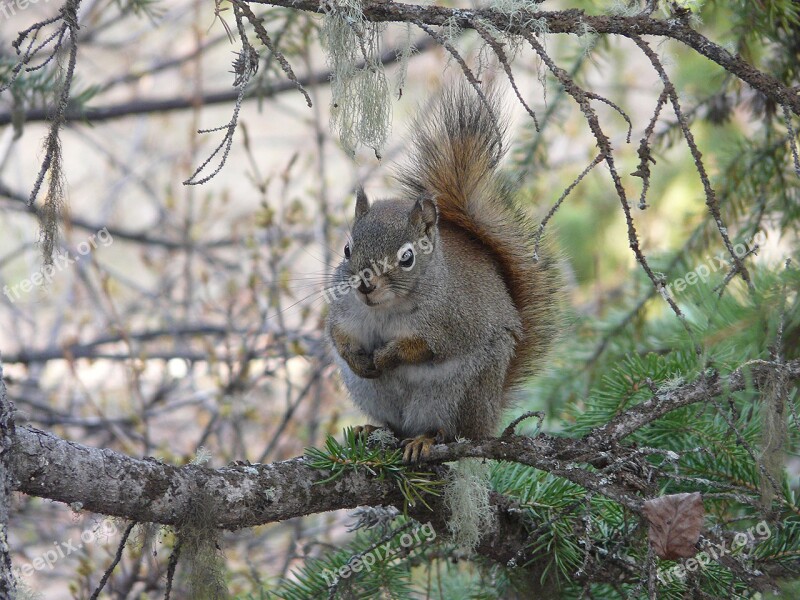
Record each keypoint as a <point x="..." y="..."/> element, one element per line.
<point x="621" y="341"/>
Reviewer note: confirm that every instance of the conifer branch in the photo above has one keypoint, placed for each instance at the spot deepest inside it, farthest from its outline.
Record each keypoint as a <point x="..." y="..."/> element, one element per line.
<point x="147" y="490"/>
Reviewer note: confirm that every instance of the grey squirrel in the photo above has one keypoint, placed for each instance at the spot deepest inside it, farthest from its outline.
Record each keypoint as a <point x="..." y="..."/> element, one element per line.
<point x="439" y="310"/>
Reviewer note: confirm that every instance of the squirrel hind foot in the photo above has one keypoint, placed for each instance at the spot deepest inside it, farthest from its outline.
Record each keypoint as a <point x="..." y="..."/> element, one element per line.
<point x="420" y="446"/>
<point x="364" y="430"/>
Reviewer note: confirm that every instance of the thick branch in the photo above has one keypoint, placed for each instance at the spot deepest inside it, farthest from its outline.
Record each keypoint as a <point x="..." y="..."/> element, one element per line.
<point x="574" y="21"/>
<point x="146" y="490"/>
<point x="7" y="583"/>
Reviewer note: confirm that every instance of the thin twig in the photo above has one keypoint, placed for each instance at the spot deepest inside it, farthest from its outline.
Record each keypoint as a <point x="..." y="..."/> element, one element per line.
<point x="261" y="34"/>
<point x="244" y="67"/>
<point x="537" y="240"/>
<point x="115" y="562"/>
<point x="711" y="196"/>
<point x="605" y="147"/>
<point x="171" y="566"/>
<point x="501" y="56"/>
<point x="645" y="152"/>
<point x="513" y="425"/>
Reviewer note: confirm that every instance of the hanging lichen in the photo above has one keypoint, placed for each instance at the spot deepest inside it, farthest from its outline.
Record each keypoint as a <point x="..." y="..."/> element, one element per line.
<point x="774" y="433"/>
<point x="199" y="538"/>
<point x="467" y="498"/>
<point x="403" y="56"/>
<point x="361" y="109"/>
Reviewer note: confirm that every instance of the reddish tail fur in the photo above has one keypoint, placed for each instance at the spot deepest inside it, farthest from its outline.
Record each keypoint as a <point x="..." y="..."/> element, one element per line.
<point x="457" y="146"/>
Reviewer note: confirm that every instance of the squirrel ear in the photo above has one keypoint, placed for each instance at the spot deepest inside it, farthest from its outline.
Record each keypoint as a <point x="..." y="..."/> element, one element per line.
<point x="362" y="204"/>
<point x="424" y="213"/>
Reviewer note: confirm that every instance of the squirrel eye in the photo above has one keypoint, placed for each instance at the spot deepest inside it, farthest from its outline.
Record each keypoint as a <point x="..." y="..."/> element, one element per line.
<point x="405" y="257"/>
<point x="347" y="251"/>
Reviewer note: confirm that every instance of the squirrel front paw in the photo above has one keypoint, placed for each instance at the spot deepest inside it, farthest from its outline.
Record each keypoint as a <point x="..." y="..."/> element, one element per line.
<point x="404" y="351"/>
<point x="362" y="364"/>
<point x="386" y="358"/>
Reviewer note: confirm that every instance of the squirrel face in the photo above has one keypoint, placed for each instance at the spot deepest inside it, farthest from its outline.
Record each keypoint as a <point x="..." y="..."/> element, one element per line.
<point x="390" y="247"/>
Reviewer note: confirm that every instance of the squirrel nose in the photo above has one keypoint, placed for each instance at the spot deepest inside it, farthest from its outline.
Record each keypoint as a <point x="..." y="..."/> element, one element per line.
<point x="365" y="288"/>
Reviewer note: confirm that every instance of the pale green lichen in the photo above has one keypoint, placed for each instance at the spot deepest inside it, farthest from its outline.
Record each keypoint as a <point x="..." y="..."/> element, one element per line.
<point x="536" y="25"/>
<point x="23" y="592"/>
<point x="403" y="56"/>
<point x="200" y="556"/>
<point x="382" y="438"/>
<point x="587" y="37"/>
<point x="467" y="498"/>
<point x="512" y="8"/>
<point x="692" y="5"/>
<point x="671" y="385"/>
<point x="202" y="456"/>
<point x="774" y="433"/>
<point x="361" y="110"/>
<point x="450" y="29"/>
<point x="624" y="8"/>
<point x="145" y="537"/>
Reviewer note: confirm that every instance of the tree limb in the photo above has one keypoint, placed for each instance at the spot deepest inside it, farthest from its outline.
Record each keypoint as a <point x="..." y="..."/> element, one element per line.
<point x="147" y="490"/>
<point x="162" y="105"/>
<point x="7" y="583"/>
<point x="576" y="22"/>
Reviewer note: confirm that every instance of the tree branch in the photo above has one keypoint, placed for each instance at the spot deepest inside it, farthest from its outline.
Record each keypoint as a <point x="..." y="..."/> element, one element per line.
<point x="7" y="426"/>
<point x="573" y="21"/>
<point x="161" y="105"/>
<point x="147" y="490"/>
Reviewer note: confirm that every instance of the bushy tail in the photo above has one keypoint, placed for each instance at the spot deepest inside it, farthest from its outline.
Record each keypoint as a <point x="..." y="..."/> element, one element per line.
<point x="456" y="147"/>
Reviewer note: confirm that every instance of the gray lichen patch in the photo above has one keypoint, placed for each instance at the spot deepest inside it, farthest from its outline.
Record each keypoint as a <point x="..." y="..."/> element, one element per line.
<point x="361" y="110"/>
<point x="467" y="496"/>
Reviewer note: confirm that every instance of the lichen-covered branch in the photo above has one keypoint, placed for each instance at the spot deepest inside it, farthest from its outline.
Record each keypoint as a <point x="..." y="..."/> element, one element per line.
<point x="147" y="490"/>
<point x="576" y="22"/>
<point x="7" y="583"/>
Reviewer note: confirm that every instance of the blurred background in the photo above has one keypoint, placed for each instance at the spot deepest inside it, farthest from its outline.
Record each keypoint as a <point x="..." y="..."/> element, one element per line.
<point x="183" y="322"/>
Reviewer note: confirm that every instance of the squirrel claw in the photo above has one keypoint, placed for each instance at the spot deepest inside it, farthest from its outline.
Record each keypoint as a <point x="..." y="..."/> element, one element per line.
<point x="420" y="446"/>
<point x="364" y="430"/>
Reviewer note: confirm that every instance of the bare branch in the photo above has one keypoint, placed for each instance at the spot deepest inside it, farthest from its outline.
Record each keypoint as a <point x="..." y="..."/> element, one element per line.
<point x="576" y="22"/>
<point x="711" y="196"/>
<point x="261" y="32"/>
<point x="144" y="106"/>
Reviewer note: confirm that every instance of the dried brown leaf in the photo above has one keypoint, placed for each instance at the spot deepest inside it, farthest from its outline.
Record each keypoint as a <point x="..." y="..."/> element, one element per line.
<point x="675" y="524"/>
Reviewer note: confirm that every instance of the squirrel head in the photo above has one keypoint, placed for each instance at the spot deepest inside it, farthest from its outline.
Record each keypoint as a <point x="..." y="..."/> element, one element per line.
<point x="391" y="245"/>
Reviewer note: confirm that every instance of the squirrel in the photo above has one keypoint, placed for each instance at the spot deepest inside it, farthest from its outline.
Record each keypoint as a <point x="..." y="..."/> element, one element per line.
<point x="439" y="309"/>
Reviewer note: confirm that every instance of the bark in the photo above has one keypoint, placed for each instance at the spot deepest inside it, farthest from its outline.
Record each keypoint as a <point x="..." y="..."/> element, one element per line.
<point x="7" y="581"/>
<point x="147" y="490"/>
<point x="577" y="22"/>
